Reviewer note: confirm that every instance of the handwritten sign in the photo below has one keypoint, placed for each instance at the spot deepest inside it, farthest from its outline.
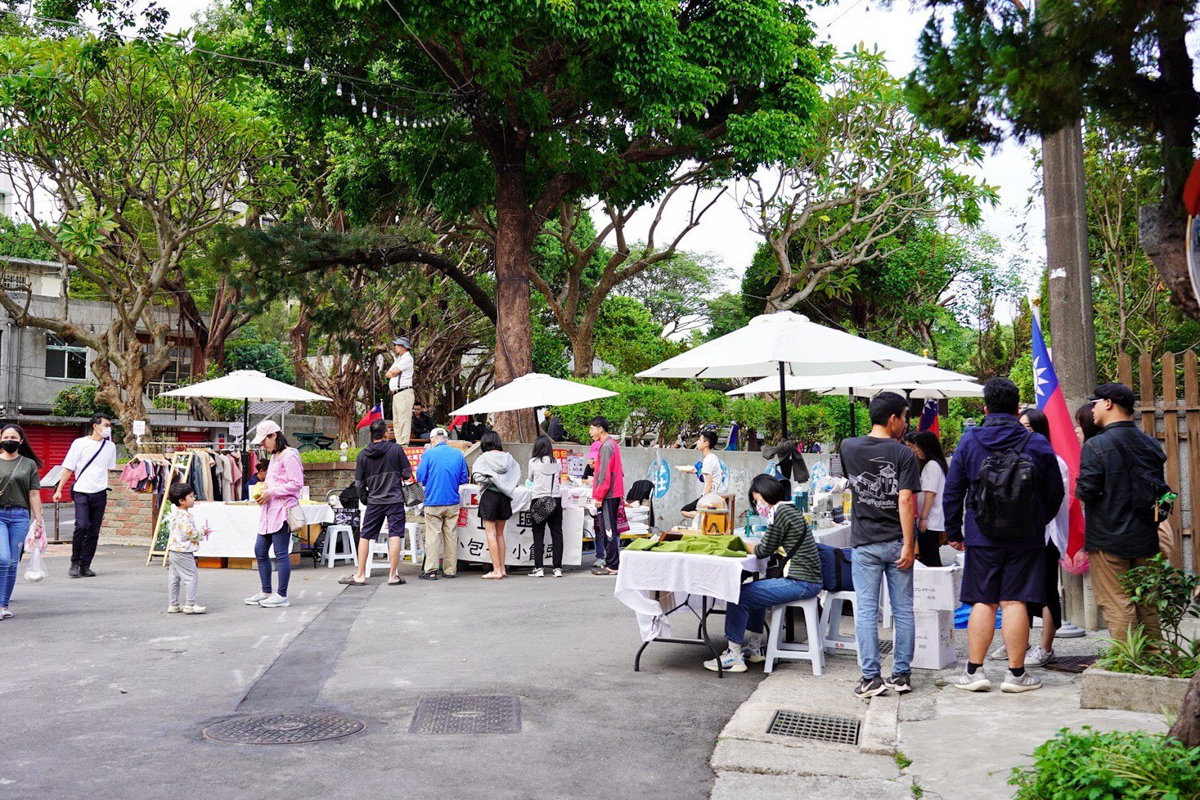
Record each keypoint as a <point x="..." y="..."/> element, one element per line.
<point x="518" y="539"/>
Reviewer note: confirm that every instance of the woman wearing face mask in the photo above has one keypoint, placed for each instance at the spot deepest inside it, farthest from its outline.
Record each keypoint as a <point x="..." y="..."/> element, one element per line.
<point x="20" y="504"/>
<point x="787" y="532"/>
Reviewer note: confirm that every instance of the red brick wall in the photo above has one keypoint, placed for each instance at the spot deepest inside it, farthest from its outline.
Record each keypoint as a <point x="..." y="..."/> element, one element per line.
<point x="129" y="514"/>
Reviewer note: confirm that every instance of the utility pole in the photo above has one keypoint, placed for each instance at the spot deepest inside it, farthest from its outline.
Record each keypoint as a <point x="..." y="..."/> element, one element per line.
<point x="1070" y="279"/>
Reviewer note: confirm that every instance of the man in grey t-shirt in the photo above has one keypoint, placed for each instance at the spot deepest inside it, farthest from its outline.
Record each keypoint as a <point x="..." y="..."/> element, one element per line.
<point x="884" y="479"/>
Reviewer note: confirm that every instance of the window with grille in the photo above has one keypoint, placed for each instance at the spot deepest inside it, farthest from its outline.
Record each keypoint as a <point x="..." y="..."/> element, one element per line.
<point x="15" y="282"/>
<point x="65" y="360"/>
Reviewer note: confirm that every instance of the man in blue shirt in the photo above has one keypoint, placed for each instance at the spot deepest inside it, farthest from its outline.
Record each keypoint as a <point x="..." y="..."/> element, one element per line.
<point x="442" y="470"/>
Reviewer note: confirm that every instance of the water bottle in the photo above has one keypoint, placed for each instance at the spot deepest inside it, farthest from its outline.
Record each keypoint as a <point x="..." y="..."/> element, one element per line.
<point x="847" y="502"/>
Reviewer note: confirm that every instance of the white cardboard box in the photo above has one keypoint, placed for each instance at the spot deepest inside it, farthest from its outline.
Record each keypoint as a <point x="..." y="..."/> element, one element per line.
<point x="936" y="588"/>
<point x="934" y="640"/>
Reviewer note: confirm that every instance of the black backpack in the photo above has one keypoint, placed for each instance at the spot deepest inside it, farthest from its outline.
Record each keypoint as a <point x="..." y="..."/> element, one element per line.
<point x="1004" y="495"/>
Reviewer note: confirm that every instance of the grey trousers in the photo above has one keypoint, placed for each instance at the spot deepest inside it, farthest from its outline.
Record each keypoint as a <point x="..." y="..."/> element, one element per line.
<point x="183" y="569"/>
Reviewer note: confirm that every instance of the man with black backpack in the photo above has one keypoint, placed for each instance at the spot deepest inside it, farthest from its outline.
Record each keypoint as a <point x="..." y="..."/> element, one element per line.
<point x="1003" y="488"/>
<point x="1121" y="483"/>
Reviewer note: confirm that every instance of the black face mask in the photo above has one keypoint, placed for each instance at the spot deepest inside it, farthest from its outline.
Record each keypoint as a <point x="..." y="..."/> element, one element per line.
<point x="9" y="446"/>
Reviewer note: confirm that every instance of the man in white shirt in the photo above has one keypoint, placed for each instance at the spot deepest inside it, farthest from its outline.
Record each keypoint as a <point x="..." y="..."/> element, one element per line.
<point x="714" y="476"/>
<point x="400" y="382"/>
<point x="89" y="460"/>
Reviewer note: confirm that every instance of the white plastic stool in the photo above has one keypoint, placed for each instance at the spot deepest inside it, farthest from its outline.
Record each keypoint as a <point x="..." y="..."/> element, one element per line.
<point x="330" y="554"/>
<point x="813" y="650"/>
<point x="412" y="545"/>
<point x="379" y="547"/>
<point x="831" y="621"/>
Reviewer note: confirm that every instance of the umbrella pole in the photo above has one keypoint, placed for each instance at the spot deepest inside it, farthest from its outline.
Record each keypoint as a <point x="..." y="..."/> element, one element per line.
<point x="853" y="416"/>
<point x="782" y="405"/>
<point x="245" y="433"/>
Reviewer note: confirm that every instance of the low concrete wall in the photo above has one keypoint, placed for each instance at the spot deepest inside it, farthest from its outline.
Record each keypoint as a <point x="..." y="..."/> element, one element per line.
<point x="1149" y="694"/>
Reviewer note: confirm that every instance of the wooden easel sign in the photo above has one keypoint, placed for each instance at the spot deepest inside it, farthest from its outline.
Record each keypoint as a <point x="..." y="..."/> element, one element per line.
<point x="181" y="468"/>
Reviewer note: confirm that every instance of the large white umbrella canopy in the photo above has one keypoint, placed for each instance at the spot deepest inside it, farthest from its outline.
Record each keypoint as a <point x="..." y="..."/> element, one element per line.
<point x="863" y="383"/>
<point x="247" y="385"/>
<point x="531" y="391"/>
<point x="783" y="339"/>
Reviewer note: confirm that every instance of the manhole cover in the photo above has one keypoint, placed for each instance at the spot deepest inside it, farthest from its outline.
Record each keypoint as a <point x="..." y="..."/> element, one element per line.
<point x="1071" y="663"/>
<point x="467" y="714"/>
<point x="822" y="728"/>
<point x="282" y="728"/>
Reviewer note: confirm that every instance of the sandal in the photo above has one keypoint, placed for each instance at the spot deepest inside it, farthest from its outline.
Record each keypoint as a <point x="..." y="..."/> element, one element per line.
<point x="349" y="581"/>
<point x="398" y="582"/>
<point x="491" y="576"/>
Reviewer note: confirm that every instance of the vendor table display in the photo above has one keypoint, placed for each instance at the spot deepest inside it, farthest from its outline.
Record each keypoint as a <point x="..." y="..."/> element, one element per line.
<point x="234" y="526"/>
<point x="518" y="538"/>
<point x="656" y="585"/>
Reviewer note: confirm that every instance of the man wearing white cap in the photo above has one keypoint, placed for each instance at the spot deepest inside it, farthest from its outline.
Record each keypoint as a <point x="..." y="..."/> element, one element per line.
<point x="442" y="471"/>
<point x="400" y="382"/>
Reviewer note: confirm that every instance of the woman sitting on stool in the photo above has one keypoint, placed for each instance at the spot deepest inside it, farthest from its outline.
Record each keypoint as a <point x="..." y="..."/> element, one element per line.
<point x="786" y="531"/>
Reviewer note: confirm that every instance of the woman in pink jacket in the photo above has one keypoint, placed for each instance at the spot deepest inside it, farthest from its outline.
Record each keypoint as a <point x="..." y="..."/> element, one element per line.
<point x="285" y="478"/>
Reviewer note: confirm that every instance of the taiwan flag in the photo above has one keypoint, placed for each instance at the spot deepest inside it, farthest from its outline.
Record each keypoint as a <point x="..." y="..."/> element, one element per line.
<point x="1051" y="402"/>
<point x="369" y="417"/>
<point x="929" y="418"/>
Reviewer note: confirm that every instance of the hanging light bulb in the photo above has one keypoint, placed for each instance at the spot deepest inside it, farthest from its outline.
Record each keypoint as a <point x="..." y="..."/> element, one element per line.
<point x="796" y="63"/>
<point x="396" y="121"/>
<point x="290" y="48"/>
<point x="353" y="102"/>
<point x="249" y="6"/>
<point x="375" y="112"/>
<point x="339" y="89"/>
<point x="762" y="83"/>
<point x="269" y="28"/>
<point x="735" y="100"/>
<point x="364" y="106"/>
<point x="324" y="79"/>
<point x="387" y="116"/>
<point x="706" y="113"/>
<point x="307" y="64"/>
<point x="678" y="124"/>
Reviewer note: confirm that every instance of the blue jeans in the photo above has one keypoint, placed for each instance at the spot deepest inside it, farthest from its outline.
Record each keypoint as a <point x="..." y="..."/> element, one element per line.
<point x="14" y="525"/>
<point x="281" y="541"/>
<point x="871" y="564"/>
<point x="750" y="611"/>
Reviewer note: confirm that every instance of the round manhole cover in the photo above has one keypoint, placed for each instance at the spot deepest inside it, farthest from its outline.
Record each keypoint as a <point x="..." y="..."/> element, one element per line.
<point x="282" y="728"/>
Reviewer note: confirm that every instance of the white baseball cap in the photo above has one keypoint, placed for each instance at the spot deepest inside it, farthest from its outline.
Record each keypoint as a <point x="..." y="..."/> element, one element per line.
<point x="264" y="429"/>
<point x="439" y="432"/>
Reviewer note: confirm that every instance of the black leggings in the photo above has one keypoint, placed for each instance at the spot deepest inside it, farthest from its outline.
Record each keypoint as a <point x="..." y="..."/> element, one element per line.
<point x="928" y="543"/>
<point x="555" y="523"/>
<point x="1053" y="604"/>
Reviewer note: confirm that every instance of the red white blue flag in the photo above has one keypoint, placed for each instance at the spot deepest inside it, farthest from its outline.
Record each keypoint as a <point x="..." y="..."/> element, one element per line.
<point x="929" y="418"/>
<point x="1053" y="404"/>
<point x="369" y="417"/>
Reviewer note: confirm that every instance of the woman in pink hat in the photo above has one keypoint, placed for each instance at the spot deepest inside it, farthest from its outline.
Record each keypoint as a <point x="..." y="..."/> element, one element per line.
<point x="281" y="492"/>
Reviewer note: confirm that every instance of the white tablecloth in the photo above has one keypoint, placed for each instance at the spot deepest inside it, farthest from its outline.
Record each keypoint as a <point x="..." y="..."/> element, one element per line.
<point x="643" y="572"/>
<point x="234" y="527"/>
<point x="836" y="536"/>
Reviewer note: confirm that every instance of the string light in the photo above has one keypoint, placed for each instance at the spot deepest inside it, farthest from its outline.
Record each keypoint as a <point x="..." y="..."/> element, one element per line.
<point x="269" y="28"/>
<point x="249" y="6"/>
<point x="324" y="79"/>
<point x="762" y="83"/>
<point x="290" y="48"/>
<point x="375" y="112"/>
<point x="339" y="89"/>
<point x="364" y="106"/>
<point x="353" y="101"/>
<point x="307" y="64"/>
<point x="735" y="99"/>
<point x="706" y="113"/>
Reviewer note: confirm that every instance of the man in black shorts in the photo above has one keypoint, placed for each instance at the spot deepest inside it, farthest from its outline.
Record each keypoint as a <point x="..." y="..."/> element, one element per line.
<point x="379" y="472"/>
<point x="1005" y="564"/>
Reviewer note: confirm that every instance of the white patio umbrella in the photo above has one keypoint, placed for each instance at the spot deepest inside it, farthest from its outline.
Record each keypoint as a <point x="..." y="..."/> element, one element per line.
<point x="785" y="343"/>
<point x="247" y="385"/>
<point x="531" y="391"/>
<point x="899" y="378"/>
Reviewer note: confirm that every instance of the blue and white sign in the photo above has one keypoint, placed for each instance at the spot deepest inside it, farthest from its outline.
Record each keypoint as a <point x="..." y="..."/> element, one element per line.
<point x="659" y="474"/>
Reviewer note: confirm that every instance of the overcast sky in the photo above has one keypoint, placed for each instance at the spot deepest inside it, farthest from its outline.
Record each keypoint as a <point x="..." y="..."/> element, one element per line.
<point x="850" y="22"/>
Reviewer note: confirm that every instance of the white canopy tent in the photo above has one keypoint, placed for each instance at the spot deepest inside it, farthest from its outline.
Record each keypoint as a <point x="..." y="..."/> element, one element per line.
<point x="533" y="391"/>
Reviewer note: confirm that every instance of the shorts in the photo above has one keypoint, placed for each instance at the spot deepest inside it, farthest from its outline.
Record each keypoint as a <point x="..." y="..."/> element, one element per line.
<point x="495" y="506"/>
<point x="691" y="506"/>
<point x="996" y="574"/>
<point x="373" y="520"/>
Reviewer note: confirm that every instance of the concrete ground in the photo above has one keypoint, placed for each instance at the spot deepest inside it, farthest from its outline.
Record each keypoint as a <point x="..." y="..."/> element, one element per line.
<point x="105" y="694"/>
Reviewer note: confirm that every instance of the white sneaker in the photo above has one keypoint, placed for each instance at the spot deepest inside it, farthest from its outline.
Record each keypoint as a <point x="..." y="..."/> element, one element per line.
<point x="174" y="609"/>
<point x="999" y="654"/>
<point x="558" y="573"/>
<point x="1026" y="683"/>
<point x="754" y="649"/>
<point x="972" y="683"/>
<point x="1038" y="656"/>
<point x="256" y="599"/>
<point x="5" y="613"/>
<point x="275" y="601"/>
<point x="536" y="572"/>
<point x="194" y="609"/>
<point x="731" y="661"/>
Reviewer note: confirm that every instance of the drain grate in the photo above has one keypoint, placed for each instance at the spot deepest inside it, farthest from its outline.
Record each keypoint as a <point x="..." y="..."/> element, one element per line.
<point x="885" y="646"/>
<point x="467" y="714"/>
<point x="1074" y="664"/>
<point x="820" y="727"/>
<point x="282" y="728"/>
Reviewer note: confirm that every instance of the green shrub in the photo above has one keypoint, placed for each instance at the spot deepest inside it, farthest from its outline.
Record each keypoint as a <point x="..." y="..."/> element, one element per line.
<point x="78" y="401"/>
<point x="1169" y="591"/>
<point x="327" y="456"/>
<point x="1108" y="766"/>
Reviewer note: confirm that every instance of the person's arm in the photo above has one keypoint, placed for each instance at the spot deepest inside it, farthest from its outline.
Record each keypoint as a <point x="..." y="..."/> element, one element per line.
<point x="1089" y="486"/>
<point x="293" y="476"/>
<point x="69" y="465"/>
<point x="35" y="500"/>
<point x="406" y="472"/>
<point x="423" y="471"/>
<point x="953" y="496"/>
<point x="463" y="477"/>
<point x="926" y="506"/>
<point x="908" y="523"/>
<point x="394" y="369"/>
<point x="360" y="475"/>
<point x="772" y="540"/>
<point x="604" y="477"/>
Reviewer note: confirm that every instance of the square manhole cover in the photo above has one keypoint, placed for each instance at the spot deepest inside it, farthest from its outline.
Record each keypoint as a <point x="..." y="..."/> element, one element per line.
<point x="819" y="727"/>
<point x="467" y="714"/>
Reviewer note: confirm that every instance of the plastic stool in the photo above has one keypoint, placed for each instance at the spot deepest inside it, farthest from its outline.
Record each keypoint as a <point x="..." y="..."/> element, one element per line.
<point x="412" y="545"/>
<point x="379" y="547"/>
<point x="813" y="650"/>
<point x="831" y="621"/>
<point x="345" y="534"/>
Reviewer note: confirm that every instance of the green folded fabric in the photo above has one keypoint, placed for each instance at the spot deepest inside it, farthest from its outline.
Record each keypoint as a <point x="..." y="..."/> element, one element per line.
<point x="729" y="546"/>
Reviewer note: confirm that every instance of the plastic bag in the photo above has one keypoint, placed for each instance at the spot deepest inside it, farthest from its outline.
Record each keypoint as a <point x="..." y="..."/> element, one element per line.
<point x="35" y="569"/>
<point x="1077" y="564"/>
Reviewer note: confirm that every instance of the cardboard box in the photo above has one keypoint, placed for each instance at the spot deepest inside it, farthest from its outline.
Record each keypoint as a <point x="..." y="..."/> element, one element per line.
<point x="577" y="497"/>
<point x="934" y="640"/>
<point x="936" y="588"/>
<point x="251" y="563"/>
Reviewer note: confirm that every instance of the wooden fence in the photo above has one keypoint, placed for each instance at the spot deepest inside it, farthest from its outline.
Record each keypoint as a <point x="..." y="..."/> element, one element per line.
<point x="1177" y="426"/>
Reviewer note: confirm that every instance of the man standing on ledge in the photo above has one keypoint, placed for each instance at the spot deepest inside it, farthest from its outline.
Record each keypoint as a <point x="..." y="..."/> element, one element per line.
<point x="400" y="382"/>
<point x="89" y="460"/>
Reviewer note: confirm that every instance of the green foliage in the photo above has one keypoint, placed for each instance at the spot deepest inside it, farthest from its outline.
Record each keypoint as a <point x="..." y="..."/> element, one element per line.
<point x="902" y="760"/>
<point x="1170" y="592"/>
<point x="328" y="456"/>
<point x="628" y="337"/>
<point x="18" y="240"/>
<point x="647" y="410"/>
<point x="77" y="401"/>
<point x="726" y="313"/>
<point x="1110" y="766"/>
<point x="268" y="357"/>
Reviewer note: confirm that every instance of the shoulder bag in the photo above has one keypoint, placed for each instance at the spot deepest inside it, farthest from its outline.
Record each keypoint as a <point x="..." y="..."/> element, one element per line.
<point x="414" y="493"/>
<point x="776" y="563"/>
<point x="542" y="507"/>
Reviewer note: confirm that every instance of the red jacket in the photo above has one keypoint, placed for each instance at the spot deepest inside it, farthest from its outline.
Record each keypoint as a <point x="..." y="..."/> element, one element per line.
<point x="609" y="480"/>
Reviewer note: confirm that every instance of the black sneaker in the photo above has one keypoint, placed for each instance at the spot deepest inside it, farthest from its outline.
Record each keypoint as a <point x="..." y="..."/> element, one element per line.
<point x="73" y="572"/>
<point x="87" y="572"/>
<point x="428" y="576"/>
<point x="869" y="687"/>
<point x="899" y="684"/>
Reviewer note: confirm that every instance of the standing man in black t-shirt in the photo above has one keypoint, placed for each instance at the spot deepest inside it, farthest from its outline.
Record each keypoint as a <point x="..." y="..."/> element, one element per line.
<point x="884" y="479"/>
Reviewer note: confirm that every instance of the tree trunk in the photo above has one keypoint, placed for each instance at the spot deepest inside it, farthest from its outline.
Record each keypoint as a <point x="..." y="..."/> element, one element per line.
<point x="1187" y="725"/>
<point x="583" y="349"/>
<point x="515" y="230"/>
<point x="1162" y="229"/>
